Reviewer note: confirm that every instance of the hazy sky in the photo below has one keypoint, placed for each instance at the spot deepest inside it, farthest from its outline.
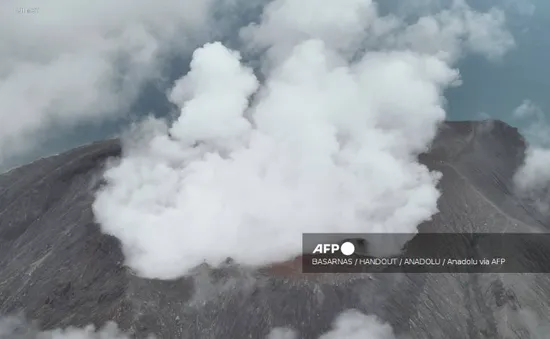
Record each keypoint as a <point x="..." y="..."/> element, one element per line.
<point x="493" y="89"/>
<point x="498" y="88"/>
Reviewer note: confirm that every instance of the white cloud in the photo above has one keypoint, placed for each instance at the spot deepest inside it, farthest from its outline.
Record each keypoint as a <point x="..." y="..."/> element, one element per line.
<point x="16" y="327"/>
<point x="213" y="96"/>
<point x="533" y="178"/>
<point x="353" y="324"/>
<point x="536" y="173"/>
<point x="327" y="143"/>
<point x="457" y="30"/>
<point x="527" y="109"/>
<point x="78" y="61"/>
<point x="343" y="25"/>
<point x="350" y="324"/>
<point x="340" y="25"/>
<point x="282" y="333"/>
<point x="536" y="125"/>
<point x="110" y="331"/>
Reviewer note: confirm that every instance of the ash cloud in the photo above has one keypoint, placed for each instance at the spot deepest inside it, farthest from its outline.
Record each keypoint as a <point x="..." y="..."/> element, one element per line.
<point x="327" y="142"/>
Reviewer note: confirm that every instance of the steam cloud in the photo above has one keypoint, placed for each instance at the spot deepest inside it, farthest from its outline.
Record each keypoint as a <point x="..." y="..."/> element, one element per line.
<point x="16" y="327"/>
<point x="66" y="63"/>
<point x="328" y="142"/>
<point x="533" y="178"/>
<point x="353" y="324"/>
<point x="350" y="324"/>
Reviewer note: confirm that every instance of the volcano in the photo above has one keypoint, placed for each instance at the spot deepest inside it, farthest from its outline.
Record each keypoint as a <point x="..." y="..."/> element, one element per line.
<point x="60" y="270"/>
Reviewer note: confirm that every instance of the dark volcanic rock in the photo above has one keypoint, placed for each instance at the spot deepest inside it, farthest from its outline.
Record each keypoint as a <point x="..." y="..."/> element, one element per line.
<point x="57" y="267"/>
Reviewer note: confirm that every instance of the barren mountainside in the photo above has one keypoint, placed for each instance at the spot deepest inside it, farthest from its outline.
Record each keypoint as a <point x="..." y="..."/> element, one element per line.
<point x="59" y="269"/>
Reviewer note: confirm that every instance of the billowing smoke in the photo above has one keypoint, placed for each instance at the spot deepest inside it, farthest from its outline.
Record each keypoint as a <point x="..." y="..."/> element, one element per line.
<point x="533" y="178"/>
<point x="353" y="25"/>
<point x="353" y="324"/>
<point x="326" y="142"/>
<point x="536" y="126"/>
<point x="64" y="63"/>
<point x="282" y="333"/>
<point x="350" y="324"/>
<point x="17" y="327"/>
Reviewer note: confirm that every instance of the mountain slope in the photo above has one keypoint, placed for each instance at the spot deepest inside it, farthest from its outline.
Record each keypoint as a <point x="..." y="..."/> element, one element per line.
<point x="57" y="266"/>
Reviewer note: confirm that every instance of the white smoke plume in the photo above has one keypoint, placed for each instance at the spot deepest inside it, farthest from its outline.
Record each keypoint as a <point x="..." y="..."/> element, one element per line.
<point x="533" y="178"/>
<point x="65" y="62"/>
<point x="456" y="31"/>
<point x="17" y="327"/>
<point x="537" y="125"/>
<point x="347" y="24"/>
<point x="327" y="143"/>
<point x="353" y="324"/>
<point x="282" y="333"/>
<point x="350" y="324"/>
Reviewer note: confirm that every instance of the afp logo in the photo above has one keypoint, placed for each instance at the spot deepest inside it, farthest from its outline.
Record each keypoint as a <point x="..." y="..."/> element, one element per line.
<point x="347" y="248"/>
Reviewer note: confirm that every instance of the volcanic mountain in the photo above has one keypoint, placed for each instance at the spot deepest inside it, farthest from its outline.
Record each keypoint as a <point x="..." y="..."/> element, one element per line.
<point x="59" y="269"/>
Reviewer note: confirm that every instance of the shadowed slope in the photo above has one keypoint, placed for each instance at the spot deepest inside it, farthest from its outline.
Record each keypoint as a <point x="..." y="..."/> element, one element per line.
<point x="57" y="267"/>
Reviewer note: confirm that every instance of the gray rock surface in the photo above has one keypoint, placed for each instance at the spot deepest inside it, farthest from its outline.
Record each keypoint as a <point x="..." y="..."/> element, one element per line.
<point x="57" y="267"/>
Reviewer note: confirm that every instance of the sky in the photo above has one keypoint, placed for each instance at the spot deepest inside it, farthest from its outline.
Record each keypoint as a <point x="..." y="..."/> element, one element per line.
<point x="497" y="89"/>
